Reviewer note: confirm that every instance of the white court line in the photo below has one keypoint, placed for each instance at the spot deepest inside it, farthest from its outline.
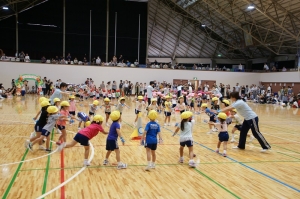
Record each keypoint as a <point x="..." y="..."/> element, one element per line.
<point x="71" y="178"/>
<point x="31" y="158"/>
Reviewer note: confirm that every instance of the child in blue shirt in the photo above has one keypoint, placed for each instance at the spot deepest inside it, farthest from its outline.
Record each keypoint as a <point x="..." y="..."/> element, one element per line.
<point x="211" y="115"/>
<point x="112" y="140"/>
<point x="152" y="129"/>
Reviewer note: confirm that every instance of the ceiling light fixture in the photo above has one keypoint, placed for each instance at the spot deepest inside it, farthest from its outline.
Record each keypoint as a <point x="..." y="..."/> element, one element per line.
<point x="5" y="8"/>
<point x="251" y="7"/>
<point x="203" y="25"/>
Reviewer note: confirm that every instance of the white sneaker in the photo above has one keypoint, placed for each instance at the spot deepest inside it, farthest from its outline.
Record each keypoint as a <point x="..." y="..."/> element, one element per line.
<point x="86" y="163"/>
<point x="192" y="163"/>
<point x="122" y="166"/>
<point x="232" y="140"/>
<point x="79" y="128"/>
<point x="210" y="132"/>
<point x="107" y="124"/>
<point x="264" y="150"/>
<point x="235" y="147"/>
<point x="165" y="124"/>
<point x="41" y="147"/>
<point x="148" y="168"/>
<point x="214" y="130"/>
<point x="180" y="160"/>
<point x="153" y="166"/>
<point x="26" y="143"/>
<point x="251" y="138"/>
<point x="105" y="162"/>
<point x="32" y="134"/>
<point x="58" y="131"/>
<point x="169" y="124"/>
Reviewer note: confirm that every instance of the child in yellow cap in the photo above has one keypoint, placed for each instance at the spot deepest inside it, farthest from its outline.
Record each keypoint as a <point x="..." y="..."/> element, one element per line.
<point x="186" y="138"/>
<point x="112" y="140"/>
<point x="139" y="104"/>
<point x="168" y="106"/>
<point x="152" y="129"/>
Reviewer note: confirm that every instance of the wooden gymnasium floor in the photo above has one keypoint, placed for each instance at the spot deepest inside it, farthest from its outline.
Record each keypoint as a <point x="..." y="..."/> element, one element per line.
<point x="243" y="174"/>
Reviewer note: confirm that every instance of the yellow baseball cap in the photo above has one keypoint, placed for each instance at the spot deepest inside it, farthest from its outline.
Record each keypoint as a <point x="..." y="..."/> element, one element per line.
<point x="42" y="99"/>
<point x="107" y="99"/>
<point x="186" y="115"/>
<point x="115" y="115"/>
<point x="226" y="102"/>
<point x="98" y="118"/>
<point x="96" y="102"/>
<point x="234" y="110"/>
<point x="45" y="103"/>
<point x="152" y="115"/>
<point x="140" y="97"/>
<point x="72" y="97"/>
<point x="222" y="116"/>
<point x="88" y="123"/>
<point x="214" y="99"/>
<point x="64" y="103"/>
<point x="204" y="105"/>
<point x="52" y="109"/>
<point x="56" y="100"/>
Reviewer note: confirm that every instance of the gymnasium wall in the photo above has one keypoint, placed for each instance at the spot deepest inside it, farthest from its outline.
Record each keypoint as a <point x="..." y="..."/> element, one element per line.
<point x="292" y="77"/>
<point x="78" y="74"/>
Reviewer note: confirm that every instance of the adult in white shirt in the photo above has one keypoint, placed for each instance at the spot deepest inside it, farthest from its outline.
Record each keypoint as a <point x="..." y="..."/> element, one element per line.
<point x="149" y="92"/>
<point x="98" y="61"/>
<point x="179" y="88"/>
<point x="266" y="67"/>
<point x="206" y="87"/>
<point x="27" y="58"/>
<point x="237" y="87"/>
<point x="240" y="67"/>
<point x="250" y="122"/>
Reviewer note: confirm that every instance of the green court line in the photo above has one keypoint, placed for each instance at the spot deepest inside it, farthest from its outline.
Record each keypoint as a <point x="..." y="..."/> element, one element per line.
<point x="288" y="155"/>
<point x="209" y="178"/>
<point x="202" y="163"/>
<point x="285" y="148"/>
<point x="47" y="166"/>
<point x="15" y="175"/>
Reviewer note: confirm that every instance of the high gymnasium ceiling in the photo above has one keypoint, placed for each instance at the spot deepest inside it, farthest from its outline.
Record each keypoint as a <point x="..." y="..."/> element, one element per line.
<point x="218" y="28"/>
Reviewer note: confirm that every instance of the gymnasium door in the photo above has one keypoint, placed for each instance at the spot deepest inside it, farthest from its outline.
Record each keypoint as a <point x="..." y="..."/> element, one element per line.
<point x="180" y="81"/>
<point x="209" y="82"/>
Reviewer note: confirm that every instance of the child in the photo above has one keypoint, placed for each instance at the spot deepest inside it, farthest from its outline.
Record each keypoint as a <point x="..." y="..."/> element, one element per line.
<point x="82" y="117"/>
<point x="61" y="124"/>
<point x="56" y="102"/>
<point x="211" y="115"/>
<point x="223" y="134"/>
<point x="153" y="105"/>
<point x="186" y="138"/>
<point x="107" y="109"/>
<point x="52" y="118"/>
<point x="238" y="124"/>
<point x="181" y="105"/>
<point x="120" y="107"/>
<point x="214" y="105"/>
<point x="72" y="107"/>
<point x="40" y="124"/>
<point x="84" y="135"/>
<point x="138" y="108"/>
<point x="152" y="129"/>
<point x="168" y="105"/>
<point x="112" y="140"/>
<point x="174" y="103"/>
<point x="93" y="108"/>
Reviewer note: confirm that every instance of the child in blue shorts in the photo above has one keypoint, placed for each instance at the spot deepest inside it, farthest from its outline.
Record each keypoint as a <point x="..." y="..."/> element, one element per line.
<point x="112" y="140"/>
<point x="223" y="133"/>
<point x="53" y="117"/>
<point x="152" y="129"/>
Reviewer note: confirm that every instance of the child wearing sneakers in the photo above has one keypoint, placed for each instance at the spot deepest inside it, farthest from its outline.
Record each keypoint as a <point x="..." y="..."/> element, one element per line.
<point x="112" y="140"/>
<point x="211" y="115"/>
<point x="168" y="106"/>
<point x="139" y="104"/>
<point x="186" y="138"/>
<point x="82" y="117"/>
<point x="53" y="117"/>
<point x="84" y="136"/>
<point x="93" y="108"/>
<point x="238" y="124"/>
<point x="152" y="129"/>
<point x="223" y="133"/>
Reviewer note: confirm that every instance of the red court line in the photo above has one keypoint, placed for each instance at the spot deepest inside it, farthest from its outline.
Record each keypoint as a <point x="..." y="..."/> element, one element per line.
<point x="62" y="174"/>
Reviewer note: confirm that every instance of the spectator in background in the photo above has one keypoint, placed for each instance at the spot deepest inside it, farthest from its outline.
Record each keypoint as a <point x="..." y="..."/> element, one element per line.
<point x="266" y="67"/>
<point x="94" y="61"/>
<point x="224" y="68"/>
<point x="195" y="67"/>
<point x="114" y="61"/>
<point x="120" y="59"/>
<point x="27" y="58"/>
<point x="128" y="63"/>
<point x="284" y="69"/>
<point x="21" y="56"/>
<point x="136" y="63"/>
<point x="69" y="58"/>
<point x="85" y="61"/>
<point x="98" y="61"/>
<point x="75" y="61"/>
<point x="274" y="69"/>
<point x="240" y="67"/>
<point x="148" y="63"/>
<point x="165" y="66"/>
<point x="43" y="60"/>
<point x="3" y="57"/>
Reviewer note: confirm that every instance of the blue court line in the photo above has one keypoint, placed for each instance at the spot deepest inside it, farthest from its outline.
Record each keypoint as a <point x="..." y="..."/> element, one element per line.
<point x="255" y="170"/>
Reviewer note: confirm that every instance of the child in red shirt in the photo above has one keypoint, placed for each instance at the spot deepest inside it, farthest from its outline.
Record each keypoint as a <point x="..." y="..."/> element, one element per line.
<point x="84" y="135"/>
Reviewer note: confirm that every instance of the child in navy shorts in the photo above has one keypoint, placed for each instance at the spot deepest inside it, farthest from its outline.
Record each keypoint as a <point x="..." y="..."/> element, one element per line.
<point x="46" y="131"/>
<point x="186" y="138"/>
<point x="112" y="140"/>
<point x="152" y="129"/>
<point x="84" y="135"/>
<point x="223" y="133"/>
